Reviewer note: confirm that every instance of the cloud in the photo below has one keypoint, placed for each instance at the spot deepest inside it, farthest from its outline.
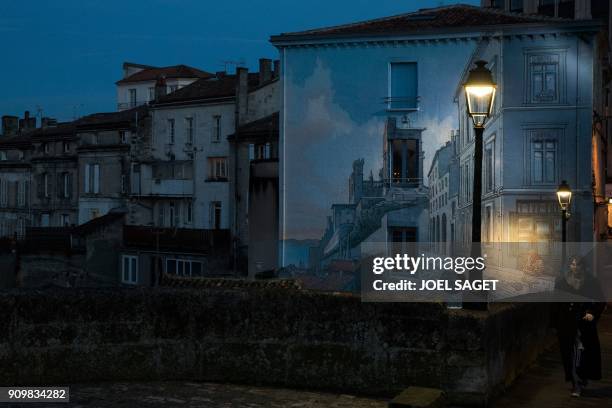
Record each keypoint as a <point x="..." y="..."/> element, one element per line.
<point x="321" y="143"/>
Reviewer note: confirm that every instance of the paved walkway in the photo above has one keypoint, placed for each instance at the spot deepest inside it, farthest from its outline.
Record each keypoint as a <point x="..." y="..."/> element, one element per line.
<point x="543" y="386"/>
<point x="200" y="395"/>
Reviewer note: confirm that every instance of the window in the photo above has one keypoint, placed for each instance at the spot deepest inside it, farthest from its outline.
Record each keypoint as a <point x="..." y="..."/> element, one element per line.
<point x="21" y="226"/>
<point x="488" y="225"/>
<point x="398" y="237"/>
<point x="189" y="130"/>
<point x="215" y="214"/>
<point x="182" y="267"/>
<point x="173" y="88"/>
<point x="129" y="270"/>
<point x="189" y="212"/>
<point x="92" y="178"/>
<point x="22" y="193"/>
<point x="46" y="185"/>
<point x="3" y="192"/>
<point x="66" y="181"/>
<point x="46" y="148"/>
<point x="402" y="86"/>
<point x="216" y="131"/>
<point x="64" y="220"/>
<point x="124" y="136"/>
<point x="132" y="96"/>
<point x="404" y="160"/>
<point x="161" y="215"/>
<point x="543" y="78"/>
<point x="44" y="220"/>
<point x="173" y="216"/>
<point x="543" y="161"/>
<point x="516" y="6"/>
<point x="171" y="131"/>
<point x="489" y="180"/>
<point x="2" y="156"/>
<point x="260" y="151"/>
<point x="94" y="213"/>
<point x="151" y="93"/>
<point x="66" y="147"/>
<point x="217" y="168"/>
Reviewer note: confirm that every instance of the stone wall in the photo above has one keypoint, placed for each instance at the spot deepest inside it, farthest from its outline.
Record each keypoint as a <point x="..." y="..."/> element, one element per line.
<point x="270" y="336"/>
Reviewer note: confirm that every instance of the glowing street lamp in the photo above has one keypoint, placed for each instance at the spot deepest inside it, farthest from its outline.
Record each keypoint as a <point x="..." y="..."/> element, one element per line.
<point x="564" y="194"/>
<point x="479" y="94"/>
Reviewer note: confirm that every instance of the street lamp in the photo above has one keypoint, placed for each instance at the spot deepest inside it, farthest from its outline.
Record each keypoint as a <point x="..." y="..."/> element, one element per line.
<point x="564" y="194"/>
<point x="479" y="94"/>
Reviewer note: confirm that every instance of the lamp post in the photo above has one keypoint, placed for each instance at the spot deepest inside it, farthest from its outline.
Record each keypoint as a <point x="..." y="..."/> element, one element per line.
<point x="564" y="194"/>
<point x="479" y="94"/>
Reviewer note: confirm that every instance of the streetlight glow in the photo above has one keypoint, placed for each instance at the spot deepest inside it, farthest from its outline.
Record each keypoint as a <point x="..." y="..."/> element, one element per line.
<point x="564" y="194"/>
<point x="479" y="93"/>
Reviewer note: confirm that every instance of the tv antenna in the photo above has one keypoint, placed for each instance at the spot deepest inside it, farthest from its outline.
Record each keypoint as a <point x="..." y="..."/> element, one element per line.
<point x="233" y="63"/>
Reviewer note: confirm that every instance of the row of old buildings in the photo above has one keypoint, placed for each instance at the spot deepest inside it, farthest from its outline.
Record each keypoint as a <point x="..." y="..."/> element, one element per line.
<point x="235" y="172"/>
<point x="178" y="166"/>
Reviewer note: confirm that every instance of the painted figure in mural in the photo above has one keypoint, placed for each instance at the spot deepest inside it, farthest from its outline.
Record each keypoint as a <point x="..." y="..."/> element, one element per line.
<point x="576" y="324"/>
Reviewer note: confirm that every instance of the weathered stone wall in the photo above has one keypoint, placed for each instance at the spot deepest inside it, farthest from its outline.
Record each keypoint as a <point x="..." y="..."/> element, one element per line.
<point x="274" y="336"/>
<point x="43" y="268"/>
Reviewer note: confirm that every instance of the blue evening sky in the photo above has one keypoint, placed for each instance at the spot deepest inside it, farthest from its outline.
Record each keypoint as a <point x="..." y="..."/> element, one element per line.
<point x="63" y="57"/>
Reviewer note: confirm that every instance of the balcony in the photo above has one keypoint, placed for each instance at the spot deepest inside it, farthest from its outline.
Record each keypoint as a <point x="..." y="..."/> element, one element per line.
<point x="171" y="187"/>
<point x="264" y="169"/>
<point x="129" y="105"/>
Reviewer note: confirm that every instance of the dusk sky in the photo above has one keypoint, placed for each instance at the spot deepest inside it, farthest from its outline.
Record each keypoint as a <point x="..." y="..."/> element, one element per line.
<point x="64" y="57"/>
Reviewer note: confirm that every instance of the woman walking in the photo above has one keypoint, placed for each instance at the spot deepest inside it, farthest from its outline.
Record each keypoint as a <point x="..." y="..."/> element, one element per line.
<point x="576" y="323"/>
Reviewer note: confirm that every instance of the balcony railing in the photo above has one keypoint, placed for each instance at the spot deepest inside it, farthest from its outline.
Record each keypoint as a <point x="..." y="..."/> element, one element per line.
<point x="402" y="103"/>
<point x="130" y="105"/>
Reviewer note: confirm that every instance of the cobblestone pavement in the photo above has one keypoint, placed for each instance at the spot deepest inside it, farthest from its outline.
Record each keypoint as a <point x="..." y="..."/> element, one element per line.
<point x="543" y="385"/>
<point x="201" y="395"/>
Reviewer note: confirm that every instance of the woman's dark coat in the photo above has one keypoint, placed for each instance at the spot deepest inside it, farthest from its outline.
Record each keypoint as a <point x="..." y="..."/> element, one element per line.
<point x="568" y="318"/>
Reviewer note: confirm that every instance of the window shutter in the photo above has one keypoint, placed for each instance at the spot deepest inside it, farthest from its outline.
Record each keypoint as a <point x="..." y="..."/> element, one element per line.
<point x="87" y="173"/>
<point x="96" y="183"/>
<point x="69" y="183"/>
<point x="59" y="189"/>
<point x="40" y="189"/>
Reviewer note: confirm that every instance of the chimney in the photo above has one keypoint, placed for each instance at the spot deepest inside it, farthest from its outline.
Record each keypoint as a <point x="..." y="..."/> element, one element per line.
<point x="265" y="70"/>
<point x="160" y="87"/>
<point x="242" y="94"/>
<point x="10" y="125"/>
<point x="276" y="68"/>
<point x="27" y="122"/>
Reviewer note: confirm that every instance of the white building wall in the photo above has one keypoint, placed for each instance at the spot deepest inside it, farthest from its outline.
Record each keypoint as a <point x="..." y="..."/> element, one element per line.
<point x="143" y="93"/>
<point x="206" y="191"/>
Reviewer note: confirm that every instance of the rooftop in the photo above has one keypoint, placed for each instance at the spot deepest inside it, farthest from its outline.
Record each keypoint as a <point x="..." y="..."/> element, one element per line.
<point x="266" y="126"/>
<point x="174" y="71"/>
<point x="105" y="119"/>
<point x="456" y="17"/>
<point x="209" y="88"/>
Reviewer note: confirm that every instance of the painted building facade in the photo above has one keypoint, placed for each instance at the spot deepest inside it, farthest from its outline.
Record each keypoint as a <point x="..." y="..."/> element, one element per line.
<point x="327" y="122"/>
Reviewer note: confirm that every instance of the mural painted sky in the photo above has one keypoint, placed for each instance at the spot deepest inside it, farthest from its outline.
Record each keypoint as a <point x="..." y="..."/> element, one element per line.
<point x="335" y="112"/>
